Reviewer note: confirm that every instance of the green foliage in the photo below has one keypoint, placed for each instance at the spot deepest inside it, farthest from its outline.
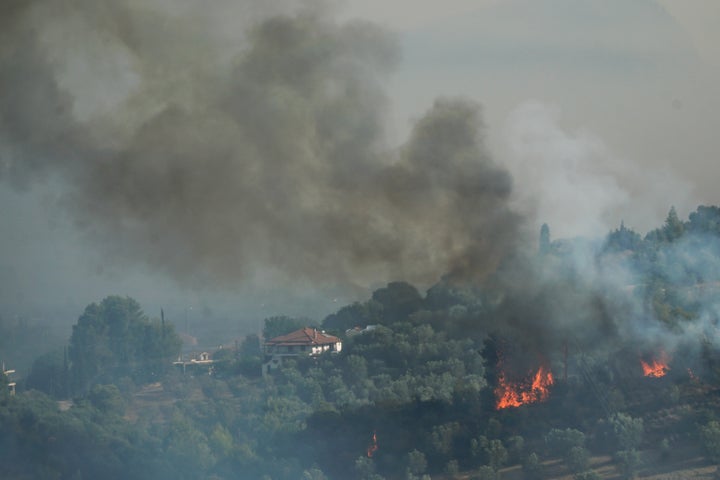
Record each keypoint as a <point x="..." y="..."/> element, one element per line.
<point x="623" y="239"/>
<point x="626" y="431"/>
<point x="249" y="358"/>
<point x="250" y="347"/>
<point x="285" y="413"/>
<point x="516" y="448"/>
<point x="532" y="468"/>
<point x="221" y="441"/>
<point x="485" y="473"/>
<point x="356" y="369"/>
<point x="416" y="463"/>
<point x="442" y="437"/>
<point x="628" y="462"/>
<point x="452" y="468"/>
<point x="107" y="399"/>
<point x="41" y="442"/>
<point x="113" y="339"/>
<point x="674" y="227"/>
<point x="365" y="469"/>
<point x="672" y="230"/>
<point x="587" y="475"/>
<point x="313" y="474"/>
<point x="4" y="389"/>
<point x="496" y="454"/>
<point x="710" y="438"/>
<point x="560" y="442"/>
<point x="494" y="428"/>
<point x="577" y="459"/>
<point x="50" y="374"/>
<point x="705" y="220"/>
<point x="665" y="449"/>
<point x="477" y="449"/>
<point x="418" y="379"/>
<point x="187" y="449"/>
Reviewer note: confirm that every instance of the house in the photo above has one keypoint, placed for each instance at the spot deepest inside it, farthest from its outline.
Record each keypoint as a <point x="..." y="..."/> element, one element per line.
<point x="304" y="342"/>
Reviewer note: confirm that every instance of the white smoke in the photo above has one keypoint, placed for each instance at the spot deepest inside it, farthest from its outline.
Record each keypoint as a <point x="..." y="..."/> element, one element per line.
<point x="569" y="178"/>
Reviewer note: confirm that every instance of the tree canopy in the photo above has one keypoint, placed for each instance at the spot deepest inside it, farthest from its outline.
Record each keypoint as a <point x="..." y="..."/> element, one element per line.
<point x="114" y="338"/>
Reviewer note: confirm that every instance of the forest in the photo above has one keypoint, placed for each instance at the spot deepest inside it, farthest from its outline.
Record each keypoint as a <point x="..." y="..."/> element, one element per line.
<point x="577" y="358"/>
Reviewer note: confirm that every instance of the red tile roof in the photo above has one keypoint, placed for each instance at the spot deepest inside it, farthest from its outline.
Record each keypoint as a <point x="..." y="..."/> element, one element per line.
<point x="304" y="336"/>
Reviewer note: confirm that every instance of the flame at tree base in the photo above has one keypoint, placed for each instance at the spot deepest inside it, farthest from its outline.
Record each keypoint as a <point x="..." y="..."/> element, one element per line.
<point x="656" y="368"/>
<point x="372" y="448"/>
<point x="514" y="395"/>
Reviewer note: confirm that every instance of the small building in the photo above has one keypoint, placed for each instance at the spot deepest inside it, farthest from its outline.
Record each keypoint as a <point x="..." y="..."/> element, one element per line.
<point x="304" y="342"/>
<point x="7" y="373"/>
<point x="196" y="361"/>
<point x="351" y="332"/>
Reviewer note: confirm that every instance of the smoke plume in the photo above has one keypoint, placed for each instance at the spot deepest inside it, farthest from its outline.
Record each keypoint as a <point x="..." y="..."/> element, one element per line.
<point x="224" y="146"/>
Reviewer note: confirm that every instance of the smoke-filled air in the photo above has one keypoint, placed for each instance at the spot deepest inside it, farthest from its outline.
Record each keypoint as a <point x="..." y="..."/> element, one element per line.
<point x="498" y="214"/>
<point x="213" y="147"/>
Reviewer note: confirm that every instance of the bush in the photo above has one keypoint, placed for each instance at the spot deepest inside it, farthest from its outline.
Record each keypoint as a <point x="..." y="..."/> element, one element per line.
<point x="559" y="442"/>
<point x="365" y="469"/>
<point x="485" y="472"/>
<point x="710" y="438"/>
<point x="577" y="459"/>
<point x="629" y="462"/>
<point x="665" y="449"/>
<point x="496" y="454"/>
<point x="516" y="448"/>
<point x="416" y="463"/>
<point x="587" y="475"/>
<point x="313" y="474"/>
<point x="107" y="399"/>
<point x="452" y="468"/>
<point x="627" y="431"/>
<point x="532" y="469"/>
<point x="619" y="431"/>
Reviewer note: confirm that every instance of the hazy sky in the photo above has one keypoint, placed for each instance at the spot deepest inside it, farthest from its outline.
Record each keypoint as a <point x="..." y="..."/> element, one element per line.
<point x="601" y="110"/>
<point x="628" y="89"/>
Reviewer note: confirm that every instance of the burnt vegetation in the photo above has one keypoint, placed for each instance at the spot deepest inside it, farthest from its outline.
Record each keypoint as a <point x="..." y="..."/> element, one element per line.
<point x="414" y="391"/>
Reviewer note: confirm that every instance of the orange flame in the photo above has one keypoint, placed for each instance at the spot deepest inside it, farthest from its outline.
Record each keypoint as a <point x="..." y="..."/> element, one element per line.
<point x="372" y="448"/>
<point x="514" y="395"/>
<point x="656" y="367"/>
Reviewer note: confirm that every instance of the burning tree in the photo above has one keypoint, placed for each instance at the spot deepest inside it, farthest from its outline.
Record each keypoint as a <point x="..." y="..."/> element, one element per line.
<point x="656" y="367"/>
<point x="532" y="389"/>
<point x="372" y="448"/>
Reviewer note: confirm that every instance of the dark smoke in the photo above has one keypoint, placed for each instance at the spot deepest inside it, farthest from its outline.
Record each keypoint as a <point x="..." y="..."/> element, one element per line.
<point x="225" y="146"/>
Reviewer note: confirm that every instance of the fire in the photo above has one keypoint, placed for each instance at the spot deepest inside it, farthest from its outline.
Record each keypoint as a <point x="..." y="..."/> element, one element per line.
<point x="656" y="367"/>
<point x="372" y="448"/>
<point x="522" y="393"/>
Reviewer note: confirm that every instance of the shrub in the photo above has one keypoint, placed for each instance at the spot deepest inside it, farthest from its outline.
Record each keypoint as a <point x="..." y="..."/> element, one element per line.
<point x="587" y="475"/>
<point x="577" y="459"/>
<point x="532" y="469"/>
<point x="710" y="438"/>
<point x="559" y="442"/>
<point x="485" y="472"/>
<point x="629" y="462"/>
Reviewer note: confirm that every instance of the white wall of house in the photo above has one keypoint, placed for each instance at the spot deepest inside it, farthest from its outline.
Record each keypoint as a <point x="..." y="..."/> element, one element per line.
<point x="278" y="352"/>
